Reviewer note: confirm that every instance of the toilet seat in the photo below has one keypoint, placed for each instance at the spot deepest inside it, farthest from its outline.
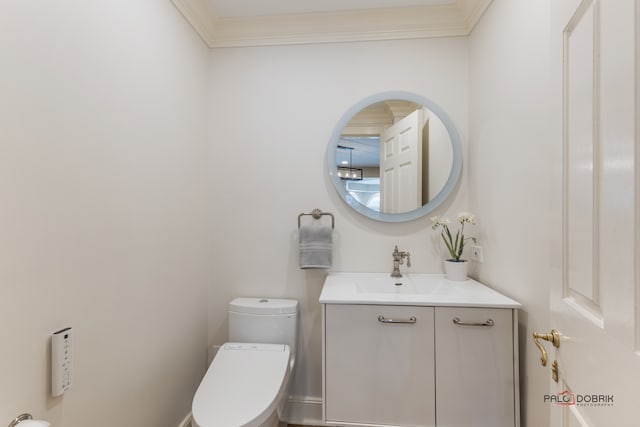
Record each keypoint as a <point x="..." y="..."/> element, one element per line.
<point x="243" y="385"/>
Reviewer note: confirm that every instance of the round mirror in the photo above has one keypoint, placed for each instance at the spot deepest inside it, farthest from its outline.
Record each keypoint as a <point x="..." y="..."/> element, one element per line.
<point x="394" y="157"/>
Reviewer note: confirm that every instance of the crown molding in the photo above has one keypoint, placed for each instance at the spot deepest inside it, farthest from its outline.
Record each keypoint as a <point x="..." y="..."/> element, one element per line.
<point x="473" y="11"/>
<point x="363" y="25"/>
<point x="199" y="15"/>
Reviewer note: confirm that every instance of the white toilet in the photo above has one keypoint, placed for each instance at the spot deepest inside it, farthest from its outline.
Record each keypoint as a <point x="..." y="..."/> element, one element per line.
<point x="247" y="382"/>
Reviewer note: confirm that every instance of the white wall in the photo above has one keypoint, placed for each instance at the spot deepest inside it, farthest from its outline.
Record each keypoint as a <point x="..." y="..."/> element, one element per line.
<point x="104" y="223"/>
<point x="104" y="172"/>
<point x="273" y="110"/>
<point x="510" y="171"/>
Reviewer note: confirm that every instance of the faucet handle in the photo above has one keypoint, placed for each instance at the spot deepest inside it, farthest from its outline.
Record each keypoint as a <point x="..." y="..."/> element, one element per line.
<point x="408" y="259"/>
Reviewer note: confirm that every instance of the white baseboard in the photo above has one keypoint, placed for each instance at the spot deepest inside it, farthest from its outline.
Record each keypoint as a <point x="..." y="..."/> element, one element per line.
<point x="304" y="410"/>
<point x="186" y="422"/>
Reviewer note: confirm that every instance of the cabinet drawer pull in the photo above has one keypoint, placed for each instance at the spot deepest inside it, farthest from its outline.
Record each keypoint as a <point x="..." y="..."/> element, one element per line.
<point x="457" y="321"/>
<point x="410" y="320"/>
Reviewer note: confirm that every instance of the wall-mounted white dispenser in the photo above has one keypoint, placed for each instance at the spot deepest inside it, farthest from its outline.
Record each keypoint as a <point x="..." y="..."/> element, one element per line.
<point x="61" y="361"/>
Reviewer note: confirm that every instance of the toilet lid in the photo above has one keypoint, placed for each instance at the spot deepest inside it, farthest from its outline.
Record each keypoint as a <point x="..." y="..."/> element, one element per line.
<point x="242" y="386"/>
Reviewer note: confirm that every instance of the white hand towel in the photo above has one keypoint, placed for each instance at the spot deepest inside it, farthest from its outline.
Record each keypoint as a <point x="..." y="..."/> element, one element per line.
<point x="316" y="248"/>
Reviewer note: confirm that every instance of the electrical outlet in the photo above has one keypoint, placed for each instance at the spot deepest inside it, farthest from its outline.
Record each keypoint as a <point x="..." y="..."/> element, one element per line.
<point x="476" y="253"/>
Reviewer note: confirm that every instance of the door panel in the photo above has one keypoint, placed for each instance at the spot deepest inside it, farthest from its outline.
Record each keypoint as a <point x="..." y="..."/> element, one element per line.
<point x="594" y="294"/>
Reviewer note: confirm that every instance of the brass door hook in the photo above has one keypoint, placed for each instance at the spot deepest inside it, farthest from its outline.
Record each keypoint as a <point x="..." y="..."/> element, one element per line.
<point x="554" y="370"/>
<point x="553" y="337"/>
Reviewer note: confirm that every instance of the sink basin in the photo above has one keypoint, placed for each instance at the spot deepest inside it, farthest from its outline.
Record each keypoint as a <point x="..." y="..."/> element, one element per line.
<point x="412" y="289"/>
<point x="398" y="285"/>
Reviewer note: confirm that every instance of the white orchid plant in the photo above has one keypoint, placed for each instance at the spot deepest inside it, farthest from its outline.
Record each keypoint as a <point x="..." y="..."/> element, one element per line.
<point x="455" y="245"/>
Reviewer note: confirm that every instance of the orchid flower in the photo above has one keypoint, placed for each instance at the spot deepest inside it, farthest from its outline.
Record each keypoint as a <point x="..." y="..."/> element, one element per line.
<point x="455" y="245"/>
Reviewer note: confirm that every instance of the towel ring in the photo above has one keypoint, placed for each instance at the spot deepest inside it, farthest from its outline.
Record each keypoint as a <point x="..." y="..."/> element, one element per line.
<point x="317" y="214"/>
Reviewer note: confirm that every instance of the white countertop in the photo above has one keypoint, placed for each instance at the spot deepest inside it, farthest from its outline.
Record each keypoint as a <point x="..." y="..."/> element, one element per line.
<point x="411" y="289"/>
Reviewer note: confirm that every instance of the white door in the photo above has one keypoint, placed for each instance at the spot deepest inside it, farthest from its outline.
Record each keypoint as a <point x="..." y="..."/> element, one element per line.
<point x="401" y="165"/>
<point x="595" y="293"/>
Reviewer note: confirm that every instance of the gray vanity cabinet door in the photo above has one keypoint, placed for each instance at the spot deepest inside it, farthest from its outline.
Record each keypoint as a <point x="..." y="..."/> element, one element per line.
<point x="475" y="377"/>
<point x="377" y="372"/>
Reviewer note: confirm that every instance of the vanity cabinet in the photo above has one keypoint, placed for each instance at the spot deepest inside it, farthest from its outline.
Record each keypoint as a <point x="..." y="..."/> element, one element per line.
<point x="420" y="351"/>
<point x="379" y="365"/>
<point x="387" y="365"/>
<point x="475" y="363"/>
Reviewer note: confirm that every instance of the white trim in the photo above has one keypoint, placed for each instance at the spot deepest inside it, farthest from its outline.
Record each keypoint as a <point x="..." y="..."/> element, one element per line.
<point x="637" y="192"/>
<point x="472" y="10"/>
<point x="304" y="410"/>
<point x="199" y="15"/>
<point x="363" y="25"/>
<point x="186" y="422"/>
<point x="516" y="367"/>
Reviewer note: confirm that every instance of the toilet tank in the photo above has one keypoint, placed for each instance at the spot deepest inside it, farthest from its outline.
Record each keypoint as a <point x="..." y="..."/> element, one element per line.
<point x="264" y="320"/>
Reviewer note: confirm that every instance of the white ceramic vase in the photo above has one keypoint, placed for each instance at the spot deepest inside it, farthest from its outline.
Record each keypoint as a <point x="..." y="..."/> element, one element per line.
<point x="456" y="270"/>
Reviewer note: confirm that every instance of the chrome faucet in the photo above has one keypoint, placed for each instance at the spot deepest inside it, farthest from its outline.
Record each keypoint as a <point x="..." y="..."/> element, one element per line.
<point x="398" y="259"/>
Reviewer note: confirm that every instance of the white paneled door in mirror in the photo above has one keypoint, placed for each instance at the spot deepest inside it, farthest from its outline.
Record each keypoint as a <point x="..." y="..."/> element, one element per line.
<point x="401" y="164"/>
<point x="594" y="294"/>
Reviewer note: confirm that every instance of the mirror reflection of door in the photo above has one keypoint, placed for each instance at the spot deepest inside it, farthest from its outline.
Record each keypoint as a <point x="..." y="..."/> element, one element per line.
<point x="401" y="164"/>
<point x="419" y="156"/>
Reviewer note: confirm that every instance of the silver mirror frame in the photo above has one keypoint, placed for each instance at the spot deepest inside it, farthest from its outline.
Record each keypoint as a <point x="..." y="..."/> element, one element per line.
<point x="449" y="186"/>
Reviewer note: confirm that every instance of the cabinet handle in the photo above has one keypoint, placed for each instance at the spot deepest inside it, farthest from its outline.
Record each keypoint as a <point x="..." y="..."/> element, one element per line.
<point x="457" y="321"/>
<point x="410" y="320"/>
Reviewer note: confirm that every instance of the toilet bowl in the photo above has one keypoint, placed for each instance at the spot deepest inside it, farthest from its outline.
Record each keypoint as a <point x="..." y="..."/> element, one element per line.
<point x="246" y="385"/>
